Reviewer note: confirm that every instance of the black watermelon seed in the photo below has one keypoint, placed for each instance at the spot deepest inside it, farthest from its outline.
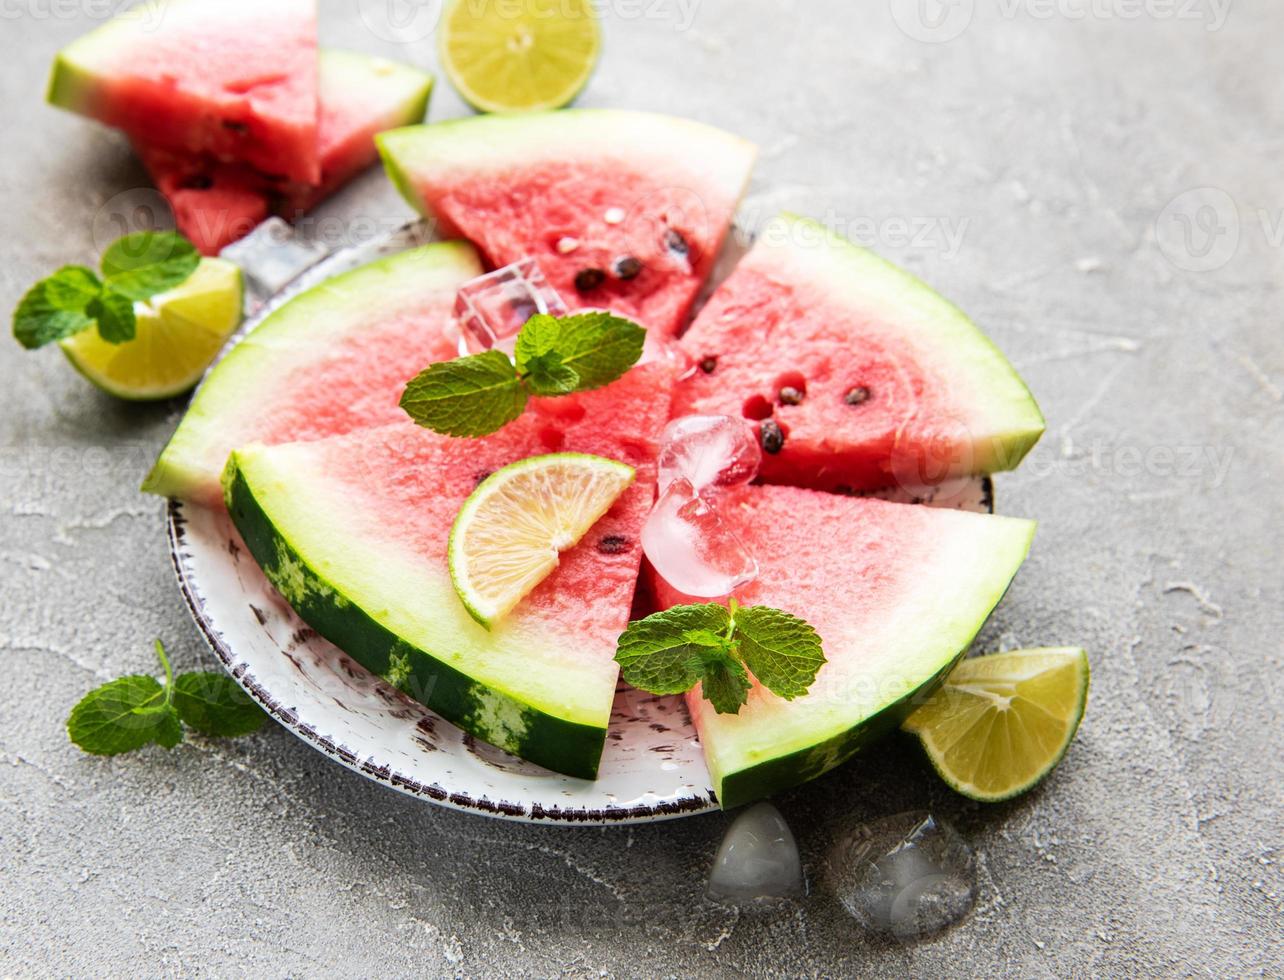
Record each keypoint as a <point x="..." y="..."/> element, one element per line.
<point x="709" y="364"/>
<point x="790" y="396"/>
<point x="627" y="267"/>
<point x="773" y="439"/>
<point x="857" y="396"/>
<point x="236" y="127"/>
<point x="676" y="242"/>
<point x="482" y="476"/>
<point x="197" y="182"/>
<point x="587" y="280"/>
<point x="614" y="544"/>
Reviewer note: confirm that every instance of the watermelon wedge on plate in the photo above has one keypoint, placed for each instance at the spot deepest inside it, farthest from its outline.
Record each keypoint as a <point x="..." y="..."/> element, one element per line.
<point x="857" y="374"/>
<point x="236" y="79"/>
<point x="333" y="359"/>
<point x="897" y="592"/>
<point x="215" y="203"/>
<point x="622" y="210"/>
<point x="353" y="532"/>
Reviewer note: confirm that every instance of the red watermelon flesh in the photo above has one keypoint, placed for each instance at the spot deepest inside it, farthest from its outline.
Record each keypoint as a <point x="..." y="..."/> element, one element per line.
<point x="896" y="593"/>
<point x="622" y="210"/>
<point x="334" y="359"/>
<point x="857" y="375"/>
<point x="216" y="203"/>
<point x="236" y="80"/>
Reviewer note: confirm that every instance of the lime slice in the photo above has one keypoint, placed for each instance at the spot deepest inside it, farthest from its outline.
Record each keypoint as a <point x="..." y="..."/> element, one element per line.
<point x="1001" y="723"/>
<point x="509" y="532"/>
<point x="179" y="334"/>
<point x="519" y="55"/>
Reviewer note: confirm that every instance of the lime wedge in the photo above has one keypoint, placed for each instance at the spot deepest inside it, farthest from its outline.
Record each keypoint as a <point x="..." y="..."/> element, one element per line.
<point x="1001" y="723"/>
<point x="519" y="55"/>
<point x="179" y="334"/>
<point x="507" y="536"/>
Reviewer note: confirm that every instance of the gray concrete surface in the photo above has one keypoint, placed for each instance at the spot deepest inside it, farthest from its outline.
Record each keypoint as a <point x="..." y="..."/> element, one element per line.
<point x="1039" y="162"/>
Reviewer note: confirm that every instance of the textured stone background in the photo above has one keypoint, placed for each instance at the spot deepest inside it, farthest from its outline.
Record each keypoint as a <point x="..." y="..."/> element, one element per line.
<point x="1036" y="162"/>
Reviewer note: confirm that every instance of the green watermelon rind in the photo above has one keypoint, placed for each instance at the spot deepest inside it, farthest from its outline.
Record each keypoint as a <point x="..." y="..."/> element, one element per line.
<point x="183" y="470"/>
<point x="522" y="729"/>
<point x="478" y="147"/>
<point x="807" y="762"/>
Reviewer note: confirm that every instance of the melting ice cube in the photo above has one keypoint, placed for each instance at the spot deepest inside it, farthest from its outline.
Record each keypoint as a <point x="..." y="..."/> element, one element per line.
<point x="757" y="860"/>
<point x="272" y="256"/>
<point x="907" y="875"/>
<point x="692" y="547"/>
<point x="712" y="451"/>
<point x="491" y="309"/>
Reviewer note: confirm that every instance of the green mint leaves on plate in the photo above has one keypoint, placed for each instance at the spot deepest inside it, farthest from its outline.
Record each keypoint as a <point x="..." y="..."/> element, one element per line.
<point x="139" y="710"/>
<point x="480" y="394"/>
<point x="134" y="269"/>
<point x="669" y="652"/>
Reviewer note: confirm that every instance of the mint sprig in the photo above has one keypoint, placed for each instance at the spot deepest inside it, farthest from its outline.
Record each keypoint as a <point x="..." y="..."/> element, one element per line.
<point x="138" y="710"/>
<point x="134" y="269"/>
<point x="480" y="394"/>
<point x="710" y="644"/>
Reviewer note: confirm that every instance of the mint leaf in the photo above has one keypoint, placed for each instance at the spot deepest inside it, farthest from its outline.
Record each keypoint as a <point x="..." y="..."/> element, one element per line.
<point x="124" y="715"/>
<point x="469" y="396"/>
<point x="725" y="685"/>
<point x="598" y="346"/>
<point x="148" y="262"/>
<point x="539" y="336"/>
<point x="115" y="315"/>
<point x="783" y="651"/>
<point x="548" y="376"/>
<point x="213" y="703"/>
<point x="54" y="308"/>
<point x="539" y="362"/>
<point x="667" y="652"/>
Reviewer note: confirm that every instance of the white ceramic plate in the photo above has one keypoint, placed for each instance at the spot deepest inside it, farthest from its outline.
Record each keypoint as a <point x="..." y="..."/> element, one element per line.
<point x="652" y="768"/>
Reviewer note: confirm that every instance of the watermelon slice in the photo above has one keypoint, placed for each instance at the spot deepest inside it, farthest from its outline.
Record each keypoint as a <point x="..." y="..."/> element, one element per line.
<point x="331" y="360"/>
<point x="236" y="79"/>
<point x="859" y="375"/>
<point x="900" y="606"/>
<point x="622" y="210"/>
<point x="216" y="203"/>
<point x="353" y="532"/>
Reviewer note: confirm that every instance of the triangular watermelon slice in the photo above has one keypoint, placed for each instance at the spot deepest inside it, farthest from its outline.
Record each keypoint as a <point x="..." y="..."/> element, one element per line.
<point x="333" y="359"/>
<point x="857" y="374"/>
<point x="235" y="79"/>
<point x="353" y="532"/>
<point x="622" y="210"/>
<point x="216" y="203"/>
<point x="897" y="593"/>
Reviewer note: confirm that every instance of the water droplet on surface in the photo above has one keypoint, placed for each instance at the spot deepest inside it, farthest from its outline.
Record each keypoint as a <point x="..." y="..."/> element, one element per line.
<point x="907" y="875"/>
<point x="692" y="547"/>
<point x="566" y="244"/>
<point x="493" y="308"/>
<point x="613" y="216"/>
<point x="757" y="861"/>
<point x="711" y="451"/>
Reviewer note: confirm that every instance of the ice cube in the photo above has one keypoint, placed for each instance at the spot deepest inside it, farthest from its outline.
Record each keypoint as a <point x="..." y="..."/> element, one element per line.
<point x="712" y="451"/>
<point x="272" y="256"/>
<point x="907" y="875"/>
<point x="692" y="547"/>
<point x="757" y="861"/>
<point x="491" y="309"/>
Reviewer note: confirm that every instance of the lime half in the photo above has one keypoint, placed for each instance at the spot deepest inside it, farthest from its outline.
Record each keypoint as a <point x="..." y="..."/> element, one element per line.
<point x="507" y="536"/>
<point x="179" y="333"/>
<point x="1001" y="723"/>
<point x="519" y="55"/>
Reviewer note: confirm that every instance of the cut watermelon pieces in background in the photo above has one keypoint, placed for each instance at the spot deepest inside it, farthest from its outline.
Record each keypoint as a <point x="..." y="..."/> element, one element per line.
<point x="332" y="360"/>
<point x="622" y="210"/>
<point x="353" y="531"/>
<point x="236" y="79"/>
<point x="857" y="374"/>
<point x="897" y="592"/>
<point x="216" y="203"/>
